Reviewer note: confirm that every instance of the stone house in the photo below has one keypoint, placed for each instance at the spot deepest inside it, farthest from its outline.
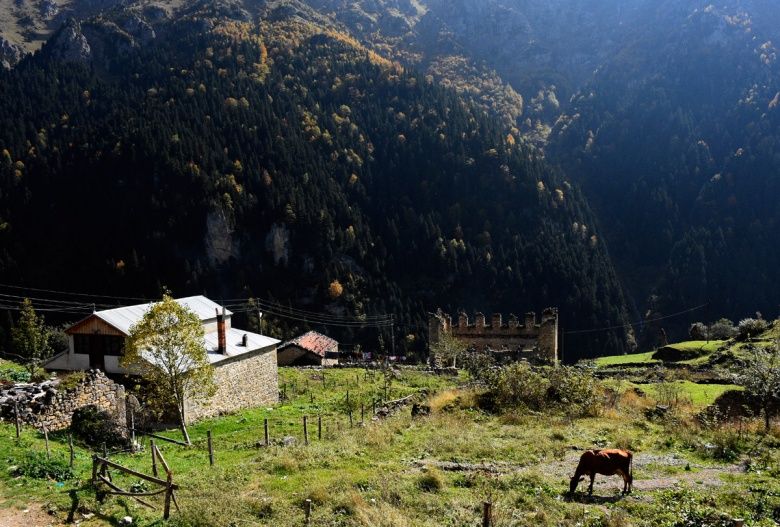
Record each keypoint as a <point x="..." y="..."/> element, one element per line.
<point x="510" y="341"/>
<point x="309" y="349"/>
<point x="245" y="371"/>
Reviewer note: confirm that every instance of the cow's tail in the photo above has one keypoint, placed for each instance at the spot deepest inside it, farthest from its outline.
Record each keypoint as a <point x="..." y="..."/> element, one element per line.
<point x="631" y="465"/>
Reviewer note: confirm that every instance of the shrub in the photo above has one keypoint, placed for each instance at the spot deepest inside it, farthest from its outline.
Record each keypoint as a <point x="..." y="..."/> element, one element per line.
<point x="430" y="481"/>
<point x="722" y="329"/>
<point x="751" y="327"/>
<point x="14" y="375"/>
<point x="38" y="465"/>
<point x="71" y="380"/>
<point x="698" y="331"/>
<point x="96" y="427"/>
<point x="518" y="385"/>
<point x="671" y="394"/>
<point x="576" y="390"/>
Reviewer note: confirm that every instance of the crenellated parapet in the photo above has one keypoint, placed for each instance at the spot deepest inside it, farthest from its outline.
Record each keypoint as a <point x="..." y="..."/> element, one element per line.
<point x="533" y="339"/>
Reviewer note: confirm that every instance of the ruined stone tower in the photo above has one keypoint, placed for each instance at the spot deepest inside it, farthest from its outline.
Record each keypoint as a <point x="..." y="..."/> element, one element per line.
<point x="510" y="341"/>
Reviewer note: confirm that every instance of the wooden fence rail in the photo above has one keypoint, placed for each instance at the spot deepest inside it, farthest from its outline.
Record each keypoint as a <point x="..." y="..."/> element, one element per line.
<point x="101" y="474"/>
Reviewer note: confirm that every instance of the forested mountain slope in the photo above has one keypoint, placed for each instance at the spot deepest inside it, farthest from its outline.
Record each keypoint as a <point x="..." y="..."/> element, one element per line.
<point x="680" y="157"/>
<point x="284" y="160"/>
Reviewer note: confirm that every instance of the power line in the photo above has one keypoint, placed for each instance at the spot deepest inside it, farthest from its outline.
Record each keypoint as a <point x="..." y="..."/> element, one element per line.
<point x="72" y="309"/>
<point x="49" y="301"/>
<point x="71" y="293"/>
<point x="267" y="304"/>
<point x="320" y="320"/>
<point x="621" y="326"/>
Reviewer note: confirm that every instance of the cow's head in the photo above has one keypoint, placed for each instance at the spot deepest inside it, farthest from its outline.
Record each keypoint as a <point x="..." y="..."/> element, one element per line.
<point x="573" y="482"/>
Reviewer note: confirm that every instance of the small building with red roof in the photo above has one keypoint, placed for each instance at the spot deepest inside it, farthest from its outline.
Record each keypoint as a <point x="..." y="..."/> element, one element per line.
<point x="310" y="349"/>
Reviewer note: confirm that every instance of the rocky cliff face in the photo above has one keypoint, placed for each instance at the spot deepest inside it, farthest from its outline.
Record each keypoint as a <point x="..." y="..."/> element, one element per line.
<point x="69" y="44"/>
<point x="10" y="53"/>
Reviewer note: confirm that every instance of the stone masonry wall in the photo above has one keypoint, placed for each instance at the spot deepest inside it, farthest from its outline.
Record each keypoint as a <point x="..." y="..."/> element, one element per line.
<point x="513" y="340"/>
<point x="96" y="389"/>
<point x="243" y="382"/>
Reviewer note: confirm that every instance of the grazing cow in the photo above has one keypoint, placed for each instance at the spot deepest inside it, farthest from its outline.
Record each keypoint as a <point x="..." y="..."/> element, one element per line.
<point x="606" y="462"/>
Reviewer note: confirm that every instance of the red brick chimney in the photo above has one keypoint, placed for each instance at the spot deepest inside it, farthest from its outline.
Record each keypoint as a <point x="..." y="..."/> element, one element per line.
<point x="221" y="337"/>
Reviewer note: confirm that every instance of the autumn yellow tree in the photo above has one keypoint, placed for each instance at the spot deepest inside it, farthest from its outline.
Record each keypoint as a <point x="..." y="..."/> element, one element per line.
<point x="335" y="289"/>
<point x="166" y="349"/>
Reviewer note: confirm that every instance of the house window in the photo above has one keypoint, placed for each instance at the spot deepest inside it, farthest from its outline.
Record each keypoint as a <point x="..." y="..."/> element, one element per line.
<point x="98" y="345"/>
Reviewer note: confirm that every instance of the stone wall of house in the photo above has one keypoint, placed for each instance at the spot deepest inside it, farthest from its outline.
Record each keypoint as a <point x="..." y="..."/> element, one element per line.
<point x="45" y="405"/>
<point x="246" y="381"/>
<point x="513" y="340"/>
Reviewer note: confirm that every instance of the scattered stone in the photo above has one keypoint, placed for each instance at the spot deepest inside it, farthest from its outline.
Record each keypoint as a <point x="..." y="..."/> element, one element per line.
<point x="420" y="410"/>
<point x="127" y="520"/>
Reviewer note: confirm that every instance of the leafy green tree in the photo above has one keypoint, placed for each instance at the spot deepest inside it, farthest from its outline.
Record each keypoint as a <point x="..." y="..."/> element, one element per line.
<point x="166" y="348"/>
<point x="31" y="337"/>
<point x="448" y="350"/>
<point x="760" y="375"/>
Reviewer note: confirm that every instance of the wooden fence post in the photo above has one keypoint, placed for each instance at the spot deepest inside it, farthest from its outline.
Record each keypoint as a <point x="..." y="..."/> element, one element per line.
<point x="319" y="428"/>
<point x="307" y="520"/>
<point x="311" y="397"/>
<point x="265" y="430"/>
<point x="46" y="440"/>
<point x="16" y="420"/>
<point x="211" y="448"/>
<point x="154" y="457"/>
<point x="487" y="514"/>
<point x="305" y="431"/>
<point x="168" y="494"/>
<point x="132" y="430"/>
<point x="70" y="446"/>
<point x="350" y="417"/>
<point x="94" y="468"/>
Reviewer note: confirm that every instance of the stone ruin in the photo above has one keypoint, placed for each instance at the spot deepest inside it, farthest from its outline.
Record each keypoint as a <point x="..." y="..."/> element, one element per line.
<point x="46" y="405"/>
<point x="507" y="342"/>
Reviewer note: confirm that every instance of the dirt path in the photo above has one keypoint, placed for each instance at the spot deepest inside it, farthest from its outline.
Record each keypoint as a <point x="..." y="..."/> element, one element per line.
<point x="34" y="516"/>
<point x="651" y="471"/>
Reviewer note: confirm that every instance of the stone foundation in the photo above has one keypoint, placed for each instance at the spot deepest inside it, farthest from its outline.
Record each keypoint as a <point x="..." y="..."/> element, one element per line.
<point x="247" y="381"/>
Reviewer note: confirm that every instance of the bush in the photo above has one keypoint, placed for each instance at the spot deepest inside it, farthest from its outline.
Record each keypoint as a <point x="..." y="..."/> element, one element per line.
<point x="518" y="385"/>
<point x="576" y="390"/>
<point x="698" y="331"/>
<point x="723" y="329"/>
<point x="96" y="427"/>
<point x="71" y="380"/>
<point x="13" y="375"/>
<point x="37" y="465"/>
<point x="751" y="327"/>
<point x="431" y="481"/>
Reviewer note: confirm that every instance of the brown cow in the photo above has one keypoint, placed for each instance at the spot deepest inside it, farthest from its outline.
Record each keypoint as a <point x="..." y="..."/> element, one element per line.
<point x="606" y="462"/>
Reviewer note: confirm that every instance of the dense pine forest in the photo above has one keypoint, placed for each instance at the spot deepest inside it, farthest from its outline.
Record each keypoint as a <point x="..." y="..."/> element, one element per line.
<point x="285" y="161"/>
<point x="699" y="190"/>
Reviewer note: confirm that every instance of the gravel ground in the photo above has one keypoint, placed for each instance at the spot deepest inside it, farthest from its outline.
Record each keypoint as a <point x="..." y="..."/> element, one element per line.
<point x="651" y="472"/>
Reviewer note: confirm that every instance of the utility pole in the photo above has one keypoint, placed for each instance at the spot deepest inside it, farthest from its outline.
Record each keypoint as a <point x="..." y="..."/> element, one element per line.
<point x="392" y="334"/>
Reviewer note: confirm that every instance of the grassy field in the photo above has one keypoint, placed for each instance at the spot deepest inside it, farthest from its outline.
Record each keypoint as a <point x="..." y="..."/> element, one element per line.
<point x="635" y="358"/>
<point x="699" y="395"/>
<point x="396" y="472"/>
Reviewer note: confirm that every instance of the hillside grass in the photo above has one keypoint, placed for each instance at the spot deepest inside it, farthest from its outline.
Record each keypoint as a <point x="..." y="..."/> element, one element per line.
<point x="699" y="395"/>
<point x="385" y="473"/>
<point x="635" y="358"/>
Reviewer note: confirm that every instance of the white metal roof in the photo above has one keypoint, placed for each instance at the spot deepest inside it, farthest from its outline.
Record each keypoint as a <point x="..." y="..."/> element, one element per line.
<point x="123" y="318"/>
<point x="233" y="338"/>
